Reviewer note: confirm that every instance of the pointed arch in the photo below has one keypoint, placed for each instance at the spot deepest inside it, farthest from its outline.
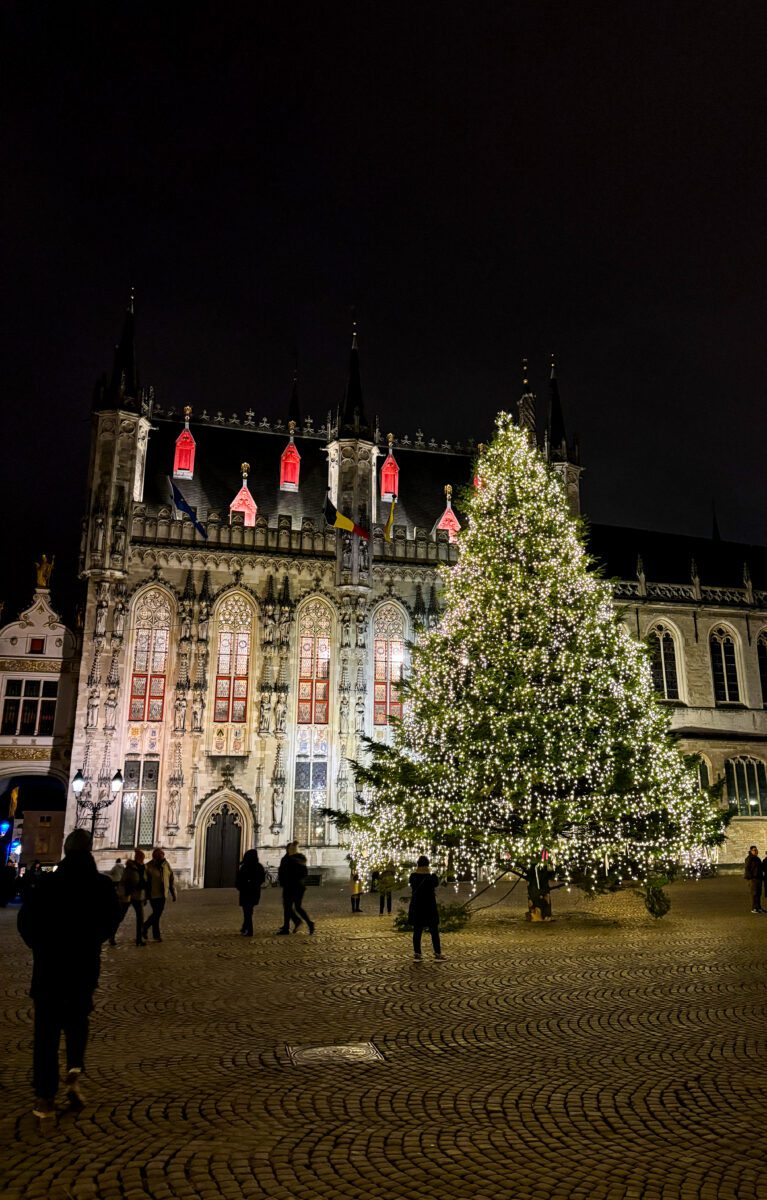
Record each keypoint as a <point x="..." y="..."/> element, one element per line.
<point x="665" y="645"/>
<point x="724" y="650"/>
<point x="153" y="612"/>
<point x="389" y="640"/>
<point x="237" y="802"/>
<point x="316" y="624"/>
<point x="233" y="662"/>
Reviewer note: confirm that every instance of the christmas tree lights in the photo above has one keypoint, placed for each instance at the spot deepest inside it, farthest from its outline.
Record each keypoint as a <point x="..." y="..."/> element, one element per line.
<point x="531" y="738"/>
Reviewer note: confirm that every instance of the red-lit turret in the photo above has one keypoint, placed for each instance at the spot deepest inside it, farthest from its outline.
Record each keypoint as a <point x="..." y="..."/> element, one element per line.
<point x="183" y="461"/>
<point x="243" y="501"/>
<point x="290" y="463"/>
<point x="448" y="520"/>
<point x="389" y="476"/>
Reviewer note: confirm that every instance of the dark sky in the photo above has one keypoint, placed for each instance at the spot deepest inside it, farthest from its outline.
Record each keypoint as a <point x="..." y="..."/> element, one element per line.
<point x="481" y="180"/>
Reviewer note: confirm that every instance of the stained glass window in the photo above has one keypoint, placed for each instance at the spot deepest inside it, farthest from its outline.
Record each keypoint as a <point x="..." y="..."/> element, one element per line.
<point x="724" y="667"/>
<point x="389" y="660"/>
<point x="235" y="624"/>
<point x="663" y="662"/>
<point x="150" y="658"/>
<point x="310" y="791"/>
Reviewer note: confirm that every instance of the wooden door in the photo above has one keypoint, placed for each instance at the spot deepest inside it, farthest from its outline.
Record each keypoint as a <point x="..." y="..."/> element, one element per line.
<point x="222" y="849"/>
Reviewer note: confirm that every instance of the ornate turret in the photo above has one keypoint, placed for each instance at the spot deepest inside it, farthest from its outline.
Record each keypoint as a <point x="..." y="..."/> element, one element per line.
<point x="183" y="460"/>
<point x="243" y="501"/>
<point x="122" y="390"/>
<point x="563" y="457"/>
<point x="353" y="422"/>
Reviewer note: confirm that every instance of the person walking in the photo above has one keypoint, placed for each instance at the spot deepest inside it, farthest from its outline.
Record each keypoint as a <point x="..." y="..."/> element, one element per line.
<point x="116" y="875"/>
<point x="32" y="878"/>
<point x="250" y="880"/>
<point x="64" y="921"/>
<point x="355" y="889"/>
<point x="385" y="886"/>
<point x="753" y="875"/>
<point x="291" y="875"/>
<point x="423" y="912"/>
<point x="133" y="888"/>
<point x="159" y="885"/>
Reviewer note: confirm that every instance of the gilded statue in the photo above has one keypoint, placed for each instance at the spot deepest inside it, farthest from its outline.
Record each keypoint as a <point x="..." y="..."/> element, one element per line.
<point x="44" y="570"/>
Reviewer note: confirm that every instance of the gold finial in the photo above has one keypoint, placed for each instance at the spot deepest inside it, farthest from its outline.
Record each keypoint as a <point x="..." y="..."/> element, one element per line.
<point x="245" y="468"/>
<point x="291" y="427"/>
<point x="390" y="439"/>
<point x="187" y="411"/>
<point x="449" y="492"/>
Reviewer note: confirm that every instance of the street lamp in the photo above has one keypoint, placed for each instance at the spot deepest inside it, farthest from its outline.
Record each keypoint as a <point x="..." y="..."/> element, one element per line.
<point x="117" y="781"/>
<point x="78" y="783"/>
<point x="104" y="800"/>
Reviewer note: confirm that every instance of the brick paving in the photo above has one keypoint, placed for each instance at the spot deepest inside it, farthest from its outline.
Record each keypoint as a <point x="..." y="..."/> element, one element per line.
<point x="603" y="1057"/>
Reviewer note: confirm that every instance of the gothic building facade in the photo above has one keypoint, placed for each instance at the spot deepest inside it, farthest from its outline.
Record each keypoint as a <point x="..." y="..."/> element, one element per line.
<point x="237" y="646"/>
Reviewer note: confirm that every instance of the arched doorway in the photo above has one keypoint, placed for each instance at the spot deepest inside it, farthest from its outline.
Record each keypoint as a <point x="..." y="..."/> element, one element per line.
<point x="223" y="838"/>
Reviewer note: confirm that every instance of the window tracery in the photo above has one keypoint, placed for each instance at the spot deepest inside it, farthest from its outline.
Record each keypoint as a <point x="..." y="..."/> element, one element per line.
<point x="389" y="658"/>
<point x="663" y="662"/>
<point x="310" y="792"/>
<point x="724" y="668"/>
<point x="235" y="625"/>
<point x="150" y="657"/>
<point x="747" y="785"/>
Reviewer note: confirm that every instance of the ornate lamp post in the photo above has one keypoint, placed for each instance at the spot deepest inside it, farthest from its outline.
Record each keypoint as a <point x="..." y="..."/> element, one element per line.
<point x="105" y="798"/>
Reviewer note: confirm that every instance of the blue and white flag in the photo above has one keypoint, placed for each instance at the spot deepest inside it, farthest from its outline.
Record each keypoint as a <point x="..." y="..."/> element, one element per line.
<point x="180" y="503"/>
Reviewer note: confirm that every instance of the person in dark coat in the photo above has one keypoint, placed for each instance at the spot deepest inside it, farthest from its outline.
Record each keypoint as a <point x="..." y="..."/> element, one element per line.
<point x="423" y="912"/>
<point x="8" y="884"/>
<point x="291" y="874"/>
<point x="64" y="921"/>
<point x="31" y="878"/>
<point x="250" y="880"/>
<point x="753" y="875"/>
<point x="133" y="888"/>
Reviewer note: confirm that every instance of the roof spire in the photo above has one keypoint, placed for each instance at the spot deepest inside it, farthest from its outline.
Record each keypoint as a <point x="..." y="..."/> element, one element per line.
<point x="124" y="387"/>
<point x="294" y="408"/>
<point x="555" y="429"/>
<point x="526" y="404"/>
<point x="353" y="421"/>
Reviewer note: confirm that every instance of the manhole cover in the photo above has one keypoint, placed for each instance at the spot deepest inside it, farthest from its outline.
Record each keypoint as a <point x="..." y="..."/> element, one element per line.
<point x="351" y="1052"/>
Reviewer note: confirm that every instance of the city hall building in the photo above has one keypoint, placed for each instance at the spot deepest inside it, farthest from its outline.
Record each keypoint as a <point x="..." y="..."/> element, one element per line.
<point x="237" y="647"/>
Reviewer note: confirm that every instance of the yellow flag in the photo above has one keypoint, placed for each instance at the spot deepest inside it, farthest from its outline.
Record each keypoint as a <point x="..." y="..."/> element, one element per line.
<point x="13" y="801"/>
<point x="389" y="521"/>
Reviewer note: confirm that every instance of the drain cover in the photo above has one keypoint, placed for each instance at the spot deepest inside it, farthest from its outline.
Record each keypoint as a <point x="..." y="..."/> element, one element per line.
<point x="350" y="1052"/>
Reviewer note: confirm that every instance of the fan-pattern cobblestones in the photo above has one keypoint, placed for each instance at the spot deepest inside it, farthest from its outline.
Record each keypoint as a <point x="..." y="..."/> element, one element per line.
<point x="603" y="1057"/>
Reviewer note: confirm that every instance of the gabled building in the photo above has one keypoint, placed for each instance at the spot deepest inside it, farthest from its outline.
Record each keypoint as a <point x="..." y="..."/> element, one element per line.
<point x="253" y="584"/>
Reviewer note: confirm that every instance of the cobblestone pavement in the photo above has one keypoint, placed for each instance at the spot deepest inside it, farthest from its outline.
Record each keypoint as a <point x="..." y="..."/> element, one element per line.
<point x="604" y="1056"/>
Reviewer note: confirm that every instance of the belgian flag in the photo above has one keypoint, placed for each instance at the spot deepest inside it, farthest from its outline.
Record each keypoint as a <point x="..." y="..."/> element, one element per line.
<point x="338" y="521"/>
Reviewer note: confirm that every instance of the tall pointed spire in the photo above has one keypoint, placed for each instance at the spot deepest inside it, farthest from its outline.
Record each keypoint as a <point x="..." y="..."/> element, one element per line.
<point x="526" y="404"/>
<point x="353" y="421"/>
<point x="124" y="385"/>
<point x="555" y="429"/>
<point x="294" y="408"/>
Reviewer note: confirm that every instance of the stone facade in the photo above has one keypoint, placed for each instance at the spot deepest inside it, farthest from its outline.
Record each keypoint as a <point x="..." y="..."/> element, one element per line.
<point x="231" y="667"/>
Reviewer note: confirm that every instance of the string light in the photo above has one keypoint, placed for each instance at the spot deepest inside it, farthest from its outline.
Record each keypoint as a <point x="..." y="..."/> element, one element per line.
<point x="530" y="732"/>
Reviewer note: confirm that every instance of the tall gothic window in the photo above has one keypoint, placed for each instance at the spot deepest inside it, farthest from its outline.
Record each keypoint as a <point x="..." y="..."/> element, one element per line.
<point x="663" y="662"/>
<point x="747" y="786"/>
<point x="150" y="658"/>
<point x="761" y="651"/>
<point x="389" y="658"/>
<point x="724" y="666"/>
<point x="139" y="803"/>
<point x="235" y="625"/>
<point x="310" y="794"/>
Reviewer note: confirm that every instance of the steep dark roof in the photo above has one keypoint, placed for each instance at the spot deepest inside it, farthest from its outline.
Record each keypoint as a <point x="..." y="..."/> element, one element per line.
<point x="667" y="557"/>
<point x="220" y="449"/>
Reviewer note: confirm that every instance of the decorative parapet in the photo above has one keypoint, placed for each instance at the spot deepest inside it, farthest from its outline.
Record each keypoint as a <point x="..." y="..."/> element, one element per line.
<point x="686" y="593"/>
<point x="157" y="526"/>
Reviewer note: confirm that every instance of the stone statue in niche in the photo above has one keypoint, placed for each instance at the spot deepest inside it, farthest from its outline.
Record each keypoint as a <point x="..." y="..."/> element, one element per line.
<point x="197" y="713"/>
<point x="43" y="570"/>
<point x="269" y="622"/>
<point x="276" y="810"/>
<point x="203" y="620"/>
<point x="264" y="712"/>
<point x="186" y="622"/>
<point x="118" y="630"/>
<point x="110" y="709"/>
<point x="280" y="714"/>
<point x="364" y="560"/>
<point x="285" y="617"/>
<point x="173" y="808"/>
<point x="359" y="715"/>
<point x="92" y="718"/>
<point x="346" y="628"/>
<point x="344" y="715"/>
<point x="346" y="552"/>
<point x="361" y="619"/>
<point x="180" y="711"/>
<point x="101" y="619"/>
<point x="118" y="544"/>
<point x="97" y="537"/>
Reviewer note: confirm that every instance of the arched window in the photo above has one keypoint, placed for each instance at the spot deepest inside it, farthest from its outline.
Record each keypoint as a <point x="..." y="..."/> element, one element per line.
<point x="761" y="653"/>
<point x="310" y="793"/>
<point x="235" y="624"/>
<point x="747" y="786"/>
<point x="724" y="666"/>
<point x="663" y="662"/>
<point x="389" y="657"/>
<point x="150" y="658"/>
<point x="704" y="773"/>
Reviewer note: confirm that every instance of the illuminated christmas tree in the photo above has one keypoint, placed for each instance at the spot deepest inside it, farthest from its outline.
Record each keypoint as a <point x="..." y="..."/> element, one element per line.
<point x="531" y="738"/>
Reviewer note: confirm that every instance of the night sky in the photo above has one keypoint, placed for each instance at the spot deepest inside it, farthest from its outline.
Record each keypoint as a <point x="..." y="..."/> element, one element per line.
<point x="482" y="181"/>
